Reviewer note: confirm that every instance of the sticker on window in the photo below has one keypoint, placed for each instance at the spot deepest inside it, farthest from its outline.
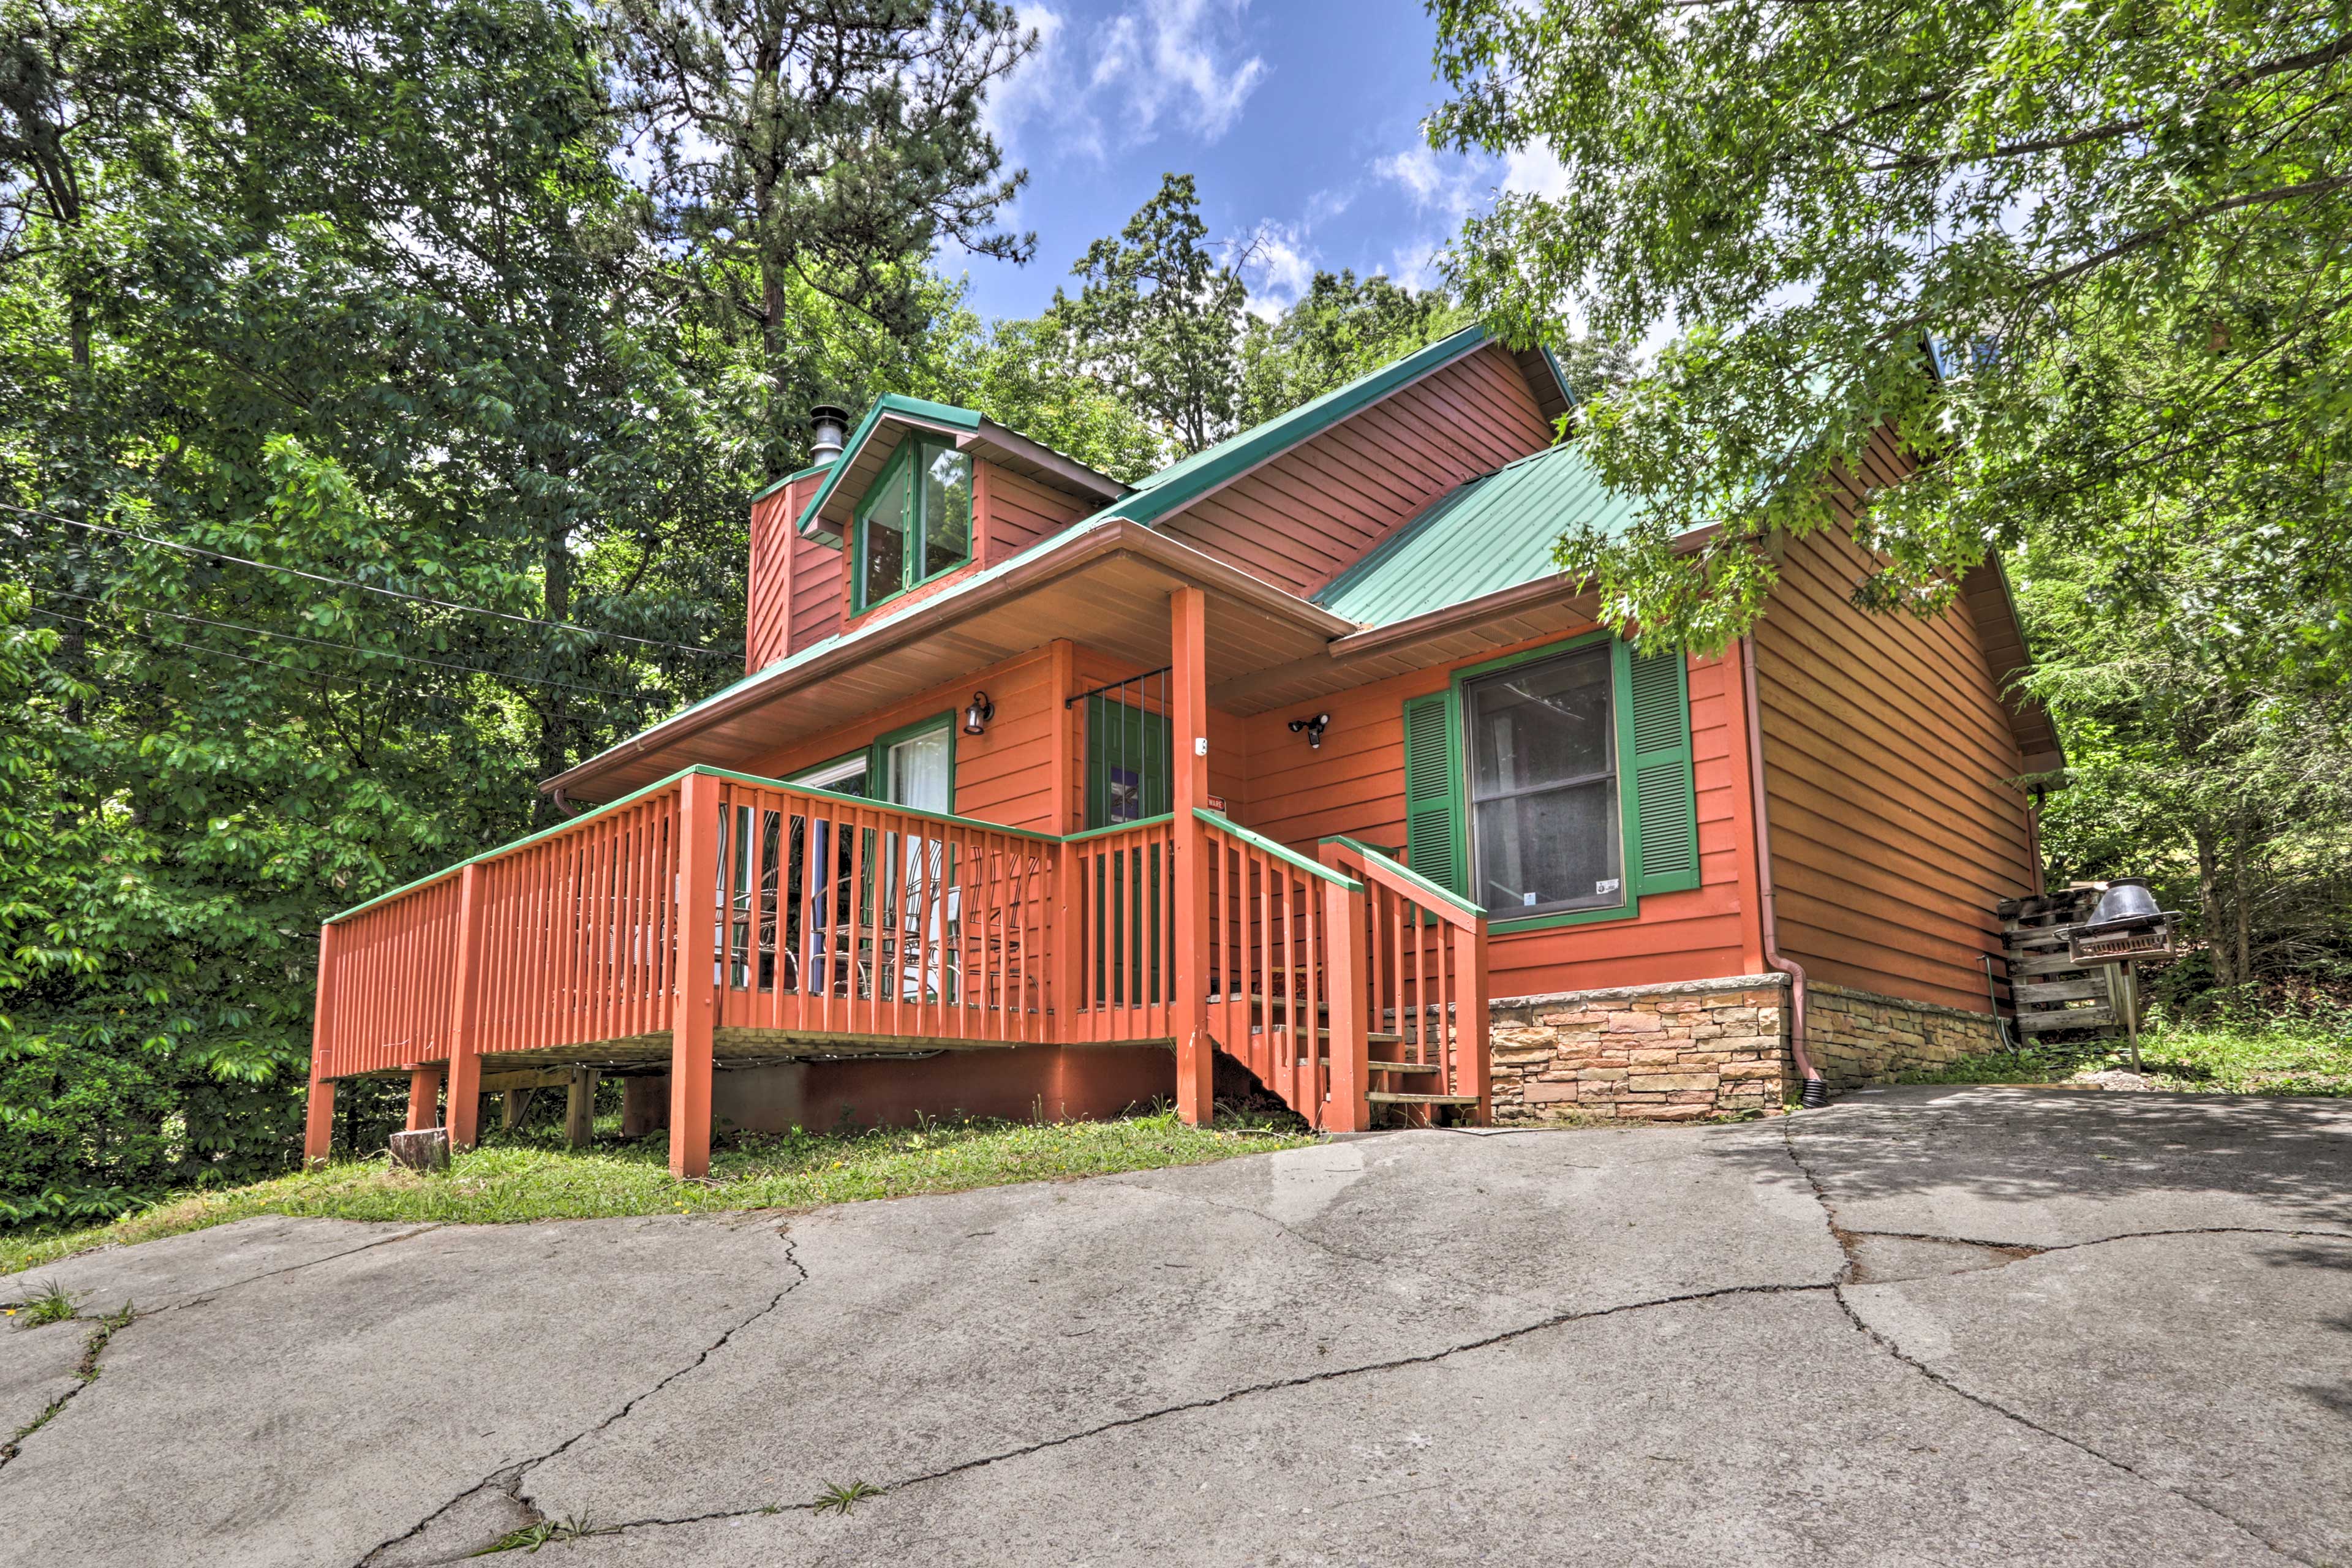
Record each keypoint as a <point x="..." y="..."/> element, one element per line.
<point x="1611" y="886"/>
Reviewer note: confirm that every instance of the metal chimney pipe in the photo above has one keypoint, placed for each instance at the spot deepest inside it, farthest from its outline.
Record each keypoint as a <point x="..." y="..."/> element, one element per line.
<point x="829" y="427"/>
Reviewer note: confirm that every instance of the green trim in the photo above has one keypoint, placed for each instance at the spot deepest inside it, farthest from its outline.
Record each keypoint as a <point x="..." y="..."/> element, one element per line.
<point x="1119" y="827"/>
<point x="1628" y="808"/>
<point x="759" y="495"/>
<point x="906" y="408"/>
<point x="877" y="762"/>
<point x="1665" y="796"/>
<point x="912" y="576"/>
<point x="1435" y="832"/>
<point x="1204" y="470"/>
<point x="1255" y="841"/>
<point x="1443" y="895"/>
<point x="863" y="753"/>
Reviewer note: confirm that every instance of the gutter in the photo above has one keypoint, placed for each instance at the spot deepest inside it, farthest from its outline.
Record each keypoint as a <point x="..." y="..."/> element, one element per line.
<point x="1816" y="1091"/>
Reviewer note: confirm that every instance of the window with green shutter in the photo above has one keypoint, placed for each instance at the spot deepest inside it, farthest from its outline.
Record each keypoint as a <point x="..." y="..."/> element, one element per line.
<point x="1555" y="785"/>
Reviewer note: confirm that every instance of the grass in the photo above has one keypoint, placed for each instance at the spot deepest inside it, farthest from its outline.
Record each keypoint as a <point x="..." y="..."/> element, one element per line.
<point x="48" y="1304"/>
<point x="840" y="1499"/>
<point x="517" y="1177"/>
<point x="532" y="1537"/>
<point x="2293" y="1055"/>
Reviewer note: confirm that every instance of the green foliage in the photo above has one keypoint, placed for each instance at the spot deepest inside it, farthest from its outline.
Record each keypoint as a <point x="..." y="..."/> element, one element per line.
<point x="1340" y="328"/>
<point x="840" y="1498"/>
<point x="49" y="1304"/>
<point x="1159" y="320"/>
<point x="352" y="293"/>
<point x="2124" y="228"/>
<point x="1026" y="375"/>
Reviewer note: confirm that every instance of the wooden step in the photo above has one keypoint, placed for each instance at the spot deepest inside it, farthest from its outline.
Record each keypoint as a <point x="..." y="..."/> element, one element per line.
<point x="1379" y="1065"/>
<point x="2060" y="990"/>
<point x="1374" y="1037"/>
<point x="2065" y="1019"/>
<point x="1382" y="1097"/>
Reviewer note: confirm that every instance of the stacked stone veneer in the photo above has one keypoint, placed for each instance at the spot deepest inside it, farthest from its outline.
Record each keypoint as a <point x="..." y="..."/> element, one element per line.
<point x="1659" y="1053"/>
<point x="1859" y="1036"/>
<point x="1707" y="1047"/>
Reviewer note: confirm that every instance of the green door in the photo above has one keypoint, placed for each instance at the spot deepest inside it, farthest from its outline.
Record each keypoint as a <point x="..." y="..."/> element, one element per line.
<point x="1130" y="768"/>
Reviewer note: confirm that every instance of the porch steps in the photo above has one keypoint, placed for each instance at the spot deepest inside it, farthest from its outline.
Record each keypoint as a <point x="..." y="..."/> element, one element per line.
<point x="1379" y="1065"/>
<point x="1374" y="1037"/>
<point x="1382" y="1097"/>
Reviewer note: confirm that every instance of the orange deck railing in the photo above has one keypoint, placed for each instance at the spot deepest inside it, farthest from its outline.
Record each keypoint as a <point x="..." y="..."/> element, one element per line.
<point x="715" y="901"/>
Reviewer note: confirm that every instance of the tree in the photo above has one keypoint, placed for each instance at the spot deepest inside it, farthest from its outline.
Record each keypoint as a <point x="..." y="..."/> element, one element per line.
<point x="1025" y="375"/>
<point x="2090" y="262"/>
<point x="797" y="153"/>
<point x="1340" y="328"/>
<point x="1159" y="320"/>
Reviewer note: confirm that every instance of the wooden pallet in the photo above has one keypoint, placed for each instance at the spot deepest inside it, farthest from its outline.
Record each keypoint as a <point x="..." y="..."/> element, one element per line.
<point x="2053" y="994"/>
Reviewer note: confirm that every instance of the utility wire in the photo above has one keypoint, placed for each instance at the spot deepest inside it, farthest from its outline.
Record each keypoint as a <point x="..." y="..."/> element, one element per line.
<point x="167" y="642"/>
<point x="364" y="587"/>
<point x="349" y="648"/>
<point x="319" y="642"/>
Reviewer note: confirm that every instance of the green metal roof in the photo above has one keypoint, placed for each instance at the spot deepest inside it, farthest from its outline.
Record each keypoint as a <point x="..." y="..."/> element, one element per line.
<point x="1494" y="532"/>
<point x="1178" y="483"/>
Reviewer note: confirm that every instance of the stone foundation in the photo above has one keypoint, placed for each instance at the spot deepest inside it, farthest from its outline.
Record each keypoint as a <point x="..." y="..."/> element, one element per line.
<point x="1708" y="1048"/>
<point x="1656" y="1053"/>
<point x="1858" y="1036"/>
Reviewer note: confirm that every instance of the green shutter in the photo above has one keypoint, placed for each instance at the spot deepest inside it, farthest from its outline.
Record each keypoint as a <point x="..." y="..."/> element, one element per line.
<point x="1434" y="837"/>
<point x="1665" y="804"/>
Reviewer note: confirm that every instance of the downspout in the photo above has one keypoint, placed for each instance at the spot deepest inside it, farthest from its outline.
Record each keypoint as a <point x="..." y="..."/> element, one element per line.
<point x="1816" y="1091"/>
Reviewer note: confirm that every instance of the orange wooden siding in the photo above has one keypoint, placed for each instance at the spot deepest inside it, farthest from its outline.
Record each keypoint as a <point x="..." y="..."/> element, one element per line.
<point x="1355" y="785"/>
<point x="796" y="588"/>
<point x="1886" y="745"/>
<point x="1015" y="511"/>
<point x="1003" y="776"/>
<point x="1302" y="517"/>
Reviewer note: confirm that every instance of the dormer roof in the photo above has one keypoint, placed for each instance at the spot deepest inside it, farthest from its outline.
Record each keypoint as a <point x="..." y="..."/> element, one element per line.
<point x="893" y="418"/>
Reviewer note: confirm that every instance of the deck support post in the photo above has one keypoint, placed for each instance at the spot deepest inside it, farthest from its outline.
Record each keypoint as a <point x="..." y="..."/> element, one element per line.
<point x="1196" y="1066"/>
<point x="424" y="1096"/>
<point x="319" y="1118"/>
<point x="1345" y="981"/>
<point x="580" y="1107"/>
<point x="1471" y="1020"/>
<point x="464" y="1110"/>
<point x="693" y="1019"/>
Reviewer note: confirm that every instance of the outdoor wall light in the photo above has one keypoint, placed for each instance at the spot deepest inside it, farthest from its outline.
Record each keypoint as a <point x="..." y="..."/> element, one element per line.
<point x="976" y="716"/>
<point x="1313" y="728"/>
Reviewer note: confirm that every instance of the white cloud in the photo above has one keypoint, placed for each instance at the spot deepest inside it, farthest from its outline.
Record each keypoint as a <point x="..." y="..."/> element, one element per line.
<point x="1154" y="65"/>
<point x="1535" y="171"/>
<point x="1277" y="265"/>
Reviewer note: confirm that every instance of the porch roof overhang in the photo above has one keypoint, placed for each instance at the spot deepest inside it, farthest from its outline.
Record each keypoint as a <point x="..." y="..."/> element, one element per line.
<point x="1103" y="583"/>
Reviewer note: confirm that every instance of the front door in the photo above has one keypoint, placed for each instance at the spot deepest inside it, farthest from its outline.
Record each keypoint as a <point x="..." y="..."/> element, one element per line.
<point x="1130" y="763"/>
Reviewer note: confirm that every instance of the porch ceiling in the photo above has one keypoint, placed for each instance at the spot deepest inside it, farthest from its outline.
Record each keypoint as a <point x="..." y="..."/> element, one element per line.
<point x="1108" y="588"/>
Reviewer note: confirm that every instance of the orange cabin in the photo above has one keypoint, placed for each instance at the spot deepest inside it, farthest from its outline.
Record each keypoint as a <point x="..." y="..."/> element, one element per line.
<point x="1297" y="763"/>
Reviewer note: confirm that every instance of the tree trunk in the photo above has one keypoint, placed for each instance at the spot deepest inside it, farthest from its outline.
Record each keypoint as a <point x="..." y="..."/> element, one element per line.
<point x="2210" y="907"/>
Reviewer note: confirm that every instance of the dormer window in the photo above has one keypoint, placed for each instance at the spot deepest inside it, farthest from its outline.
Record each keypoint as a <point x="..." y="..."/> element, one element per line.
<point x="916" y="522"/>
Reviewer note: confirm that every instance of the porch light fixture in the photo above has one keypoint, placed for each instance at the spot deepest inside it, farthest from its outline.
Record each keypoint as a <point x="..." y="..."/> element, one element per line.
<point x="1313" y="728"/>
<point x="976" y="716"/>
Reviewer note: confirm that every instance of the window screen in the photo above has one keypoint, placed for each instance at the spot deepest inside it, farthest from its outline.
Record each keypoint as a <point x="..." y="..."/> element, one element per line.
<point x="1542" y="757"/>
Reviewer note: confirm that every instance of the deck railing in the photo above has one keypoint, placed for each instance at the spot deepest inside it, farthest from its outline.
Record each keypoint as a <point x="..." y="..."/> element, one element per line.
<point x="713" y="901"/>
<point x="1285" y="954"/>
<point x="1424" y="976"/>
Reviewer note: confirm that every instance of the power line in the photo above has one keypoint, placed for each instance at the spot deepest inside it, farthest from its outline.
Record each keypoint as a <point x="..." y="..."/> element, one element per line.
<point x="349" y="648"/>
<point x="340" y="648"/>
<point x="364" y="587"/>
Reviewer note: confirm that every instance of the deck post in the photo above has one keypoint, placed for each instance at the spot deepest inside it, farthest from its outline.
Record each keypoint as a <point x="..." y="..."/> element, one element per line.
<point x="694" y="1018"/>
<point x="1471" y="1018"/>
<point x="465" y="1017"/>
<point x="1188" y="616"/>
<point x="1060" y="906"/>
<point x="424" y="1096"/>
<point x="319" y="1118"/>
<point x="1345" y="960"/>
<point x="580" y="1107"/>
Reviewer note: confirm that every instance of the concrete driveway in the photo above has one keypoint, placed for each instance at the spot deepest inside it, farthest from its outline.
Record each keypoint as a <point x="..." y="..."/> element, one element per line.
<point x="1923" y="1326"/>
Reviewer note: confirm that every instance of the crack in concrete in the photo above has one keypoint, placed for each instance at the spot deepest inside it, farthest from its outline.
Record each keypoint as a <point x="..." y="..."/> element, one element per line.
<point x="1273" y="1385"/>
<point x="1838" y="1292"/>
<point x="86" y="1373"/>
<point x="509" y="1478"/>
<point x="219" y="1290"/>
<point x="1997" y="1408"/>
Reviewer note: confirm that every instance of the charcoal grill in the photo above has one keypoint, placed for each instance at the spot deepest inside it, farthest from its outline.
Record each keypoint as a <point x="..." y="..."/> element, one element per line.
<point x="2127" y="925"/>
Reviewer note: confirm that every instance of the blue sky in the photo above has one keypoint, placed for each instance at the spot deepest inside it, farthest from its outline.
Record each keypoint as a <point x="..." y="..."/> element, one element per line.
<point x="1300" y="118"/>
